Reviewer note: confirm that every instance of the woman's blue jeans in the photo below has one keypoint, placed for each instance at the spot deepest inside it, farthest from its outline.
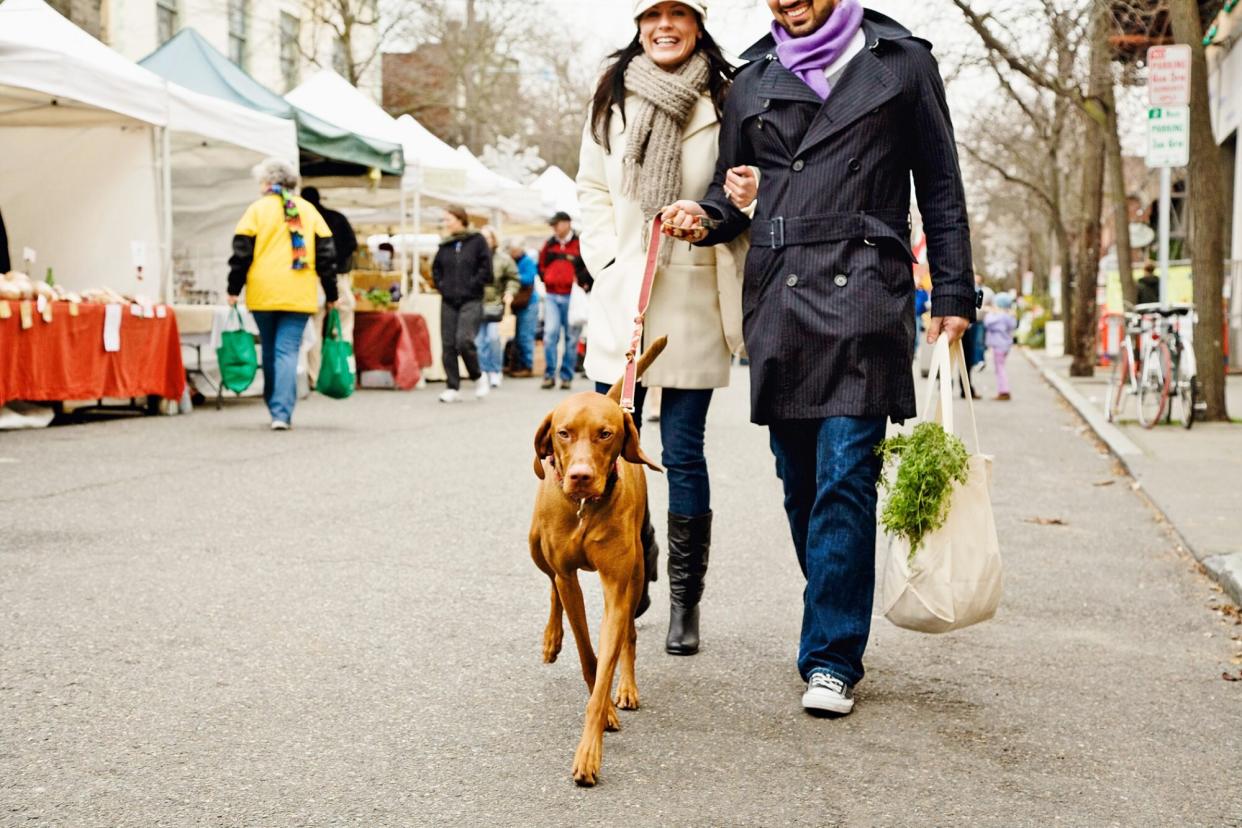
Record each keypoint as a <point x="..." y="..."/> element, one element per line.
<point x="527" y="321"/>
<point x="830" y="469"/>
<point x="683" y="423"/>
<point x="280" y="335"/>
<point x="491" y="356"/>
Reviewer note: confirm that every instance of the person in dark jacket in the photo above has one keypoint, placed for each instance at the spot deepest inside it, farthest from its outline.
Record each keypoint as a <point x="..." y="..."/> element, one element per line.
<point x="560" y="264"/>
<point x="461" y="269"/>
<point x="343" y="237"/>
<point x="1148" y="286"/>
<point x="838" y="108"/>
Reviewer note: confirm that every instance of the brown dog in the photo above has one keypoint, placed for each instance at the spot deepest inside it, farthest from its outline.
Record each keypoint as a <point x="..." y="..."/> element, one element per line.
<point x="588" y="515"/>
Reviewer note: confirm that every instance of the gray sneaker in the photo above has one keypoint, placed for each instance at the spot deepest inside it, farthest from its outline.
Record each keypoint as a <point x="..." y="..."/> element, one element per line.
<point x="827" y="693"/>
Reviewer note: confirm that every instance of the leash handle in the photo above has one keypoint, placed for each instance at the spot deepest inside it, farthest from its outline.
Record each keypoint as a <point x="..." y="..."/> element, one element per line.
<point x="630" y="384"/>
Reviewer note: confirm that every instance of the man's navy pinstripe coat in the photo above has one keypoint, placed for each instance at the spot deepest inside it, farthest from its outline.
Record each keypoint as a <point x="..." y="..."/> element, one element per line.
<point x="828" y="299"/>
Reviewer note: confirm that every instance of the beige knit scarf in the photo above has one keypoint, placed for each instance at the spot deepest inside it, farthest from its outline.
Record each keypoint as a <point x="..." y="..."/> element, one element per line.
<point x="652" y="160"/>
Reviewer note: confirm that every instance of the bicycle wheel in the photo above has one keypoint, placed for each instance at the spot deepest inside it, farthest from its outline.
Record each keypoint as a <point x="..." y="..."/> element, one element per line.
<point x="1186" y="399"/>
<point x="1115" y="397"/>
<point x="1154" y="385"/>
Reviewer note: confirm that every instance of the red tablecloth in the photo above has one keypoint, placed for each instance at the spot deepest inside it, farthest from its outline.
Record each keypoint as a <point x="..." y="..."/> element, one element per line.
<point x="395" y="342"/>
<point x="65" y="359"/>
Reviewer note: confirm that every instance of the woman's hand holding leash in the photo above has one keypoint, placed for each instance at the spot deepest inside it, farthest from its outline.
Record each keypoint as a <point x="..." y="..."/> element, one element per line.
<point x="684" y="220"/>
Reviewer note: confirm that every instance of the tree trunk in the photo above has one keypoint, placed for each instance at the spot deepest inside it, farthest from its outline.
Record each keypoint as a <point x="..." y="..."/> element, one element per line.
<point x="1120" y="198"/>
<point x="1207" y="249"/>
<point x="1094" y="147"/>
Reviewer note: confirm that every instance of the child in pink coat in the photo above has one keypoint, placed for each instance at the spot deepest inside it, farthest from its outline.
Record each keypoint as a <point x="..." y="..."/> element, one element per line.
<point x="1000" y="324"/>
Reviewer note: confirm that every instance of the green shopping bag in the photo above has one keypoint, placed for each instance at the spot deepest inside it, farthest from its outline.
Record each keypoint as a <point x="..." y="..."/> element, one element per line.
<point x="237" y="357"/>
<point x="336" y="377"/>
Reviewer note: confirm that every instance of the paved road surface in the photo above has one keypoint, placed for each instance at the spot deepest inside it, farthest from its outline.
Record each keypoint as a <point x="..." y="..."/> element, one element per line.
<point x="204" y="623"/>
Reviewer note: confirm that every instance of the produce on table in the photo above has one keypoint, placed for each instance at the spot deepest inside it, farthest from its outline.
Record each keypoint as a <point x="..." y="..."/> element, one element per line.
<point x="929" y="462"/>
<point x="17" y="286"/>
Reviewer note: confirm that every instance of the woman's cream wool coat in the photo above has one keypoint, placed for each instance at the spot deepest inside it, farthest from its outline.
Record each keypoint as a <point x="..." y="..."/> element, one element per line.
<point x="697" y="297"/>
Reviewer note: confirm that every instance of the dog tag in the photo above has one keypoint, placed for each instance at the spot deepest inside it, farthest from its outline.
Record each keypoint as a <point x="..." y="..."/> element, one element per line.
<point x="27" y="313"/>
<point x="5" y="313"/>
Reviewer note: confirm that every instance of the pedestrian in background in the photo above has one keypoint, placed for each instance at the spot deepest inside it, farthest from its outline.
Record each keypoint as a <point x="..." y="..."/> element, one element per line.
<point x="496" y="298"/>
<point x="1000" y="325"/>
<point x="652" y="139"/>
<point x="462" y="269"/>
<point x="344" y="241"/>
<point x="922" y="302"/>
<point x="841" y="109"/>
<point x="525" y="308"/>
<point x="559" y="263"/>
<point x="280" y="245"/>
<point x="1148" y="286"/>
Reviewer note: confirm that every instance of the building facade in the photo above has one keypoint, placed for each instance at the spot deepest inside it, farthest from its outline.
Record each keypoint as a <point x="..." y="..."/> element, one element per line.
<point x="278" y="42"/>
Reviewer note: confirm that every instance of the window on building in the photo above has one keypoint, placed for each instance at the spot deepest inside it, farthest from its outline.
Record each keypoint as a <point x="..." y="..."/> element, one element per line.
<point x="166" y="20"/>
<point x="239" y="14"/>
<point x="290" y="54"/>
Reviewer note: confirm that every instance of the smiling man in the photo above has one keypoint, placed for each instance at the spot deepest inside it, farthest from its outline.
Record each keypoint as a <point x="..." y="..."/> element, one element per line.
<point x="839" y="108"/>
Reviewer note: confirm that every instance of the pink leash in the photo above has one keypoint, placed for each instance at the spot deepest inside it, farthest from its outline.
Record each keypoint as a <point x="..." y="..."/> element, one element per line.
<point x="630" y="384"/>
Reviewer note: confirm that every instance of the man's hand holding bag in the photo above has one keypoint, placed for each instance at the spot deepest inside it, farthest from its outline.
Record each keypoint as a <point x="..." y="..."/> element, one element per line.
<point x="954" y="578"/>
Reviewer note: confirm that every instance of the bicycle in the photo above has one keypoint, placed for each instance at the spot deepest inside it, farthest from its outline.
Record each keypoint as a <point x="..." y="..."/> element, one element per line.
<point x="1154" y="376"/>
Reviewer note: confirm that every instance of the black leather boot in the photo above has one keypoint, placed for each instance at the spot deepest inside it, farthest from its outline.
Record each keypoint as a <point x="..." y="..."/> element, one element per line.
<point x="651" y="563"/>
<point x="689" y="541"/>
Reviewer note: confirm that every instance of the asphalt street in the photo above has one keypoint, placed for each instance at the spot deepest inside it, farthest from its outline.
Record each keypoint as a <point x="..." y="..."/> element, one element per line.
<point x="206" y="623"/>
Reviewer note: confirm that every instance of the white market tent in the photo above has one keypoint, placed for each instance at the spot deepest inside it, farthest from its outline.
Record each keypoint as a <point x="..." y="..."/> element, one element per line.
<point x="89" y="146"/>
<point x="558" y="192"/>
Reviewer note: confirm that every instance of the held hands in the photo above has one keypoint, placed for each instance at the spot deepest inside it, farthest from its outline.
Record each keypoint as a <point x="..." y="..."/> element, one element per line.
<point x="954" y="326"/>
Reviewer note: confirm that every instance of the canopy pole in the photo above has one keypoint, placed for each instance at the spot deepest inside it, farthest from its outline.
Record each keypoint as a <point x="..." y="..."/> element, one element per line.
<point x="166" y="249"/>
<point x="417" y="281"/>
<point x="403" y="237"/>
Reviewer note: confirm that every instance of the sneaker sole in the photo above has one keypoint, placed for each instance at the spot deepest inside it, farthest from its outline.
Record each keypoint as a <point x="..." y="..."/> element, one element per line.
<point x="842" y="707"/>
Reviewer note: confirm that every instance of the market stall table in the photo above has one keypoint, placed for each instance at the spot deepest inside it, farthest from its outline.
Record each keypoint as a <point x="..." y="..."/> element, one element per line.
<point x="393" y="342"/>
<point x="65" y="359"/>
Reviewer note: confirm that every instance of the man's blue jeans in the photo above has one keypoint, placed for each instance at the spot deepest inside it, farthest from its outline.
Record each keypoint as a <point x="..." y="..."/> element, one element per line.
<point x="491" y="356"/>
<point x="280" y="335"/>
<point x="527" y="321"/>
<point x="556" y="321"/>
<point x="683" y="421"/>
<point x="830" y="469"/>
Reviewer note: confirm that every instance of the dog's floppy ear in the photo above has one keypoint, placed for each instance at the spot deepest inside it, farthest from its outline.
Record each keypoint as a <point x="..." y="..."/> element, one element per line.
<point x="543" y="444"/>
<point x="631" y="451"/>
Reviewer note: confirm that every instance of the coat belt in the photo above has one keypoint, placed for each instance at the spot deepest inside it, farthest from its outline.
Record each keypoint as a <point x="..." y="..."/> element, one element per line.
<point x="867" y="225"/>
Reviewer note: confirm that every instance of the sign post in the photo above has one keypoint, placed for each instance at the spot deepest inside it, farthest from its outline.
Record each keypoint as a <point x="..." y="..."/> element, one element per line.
<point x="1168" y="133"/>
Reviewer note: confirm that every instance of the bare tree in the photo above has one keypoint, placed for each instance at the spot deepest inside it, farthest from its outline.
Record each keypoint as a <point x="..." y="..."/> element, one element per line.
<point x="356" y="30"/>
<point x="1206" y="205"/>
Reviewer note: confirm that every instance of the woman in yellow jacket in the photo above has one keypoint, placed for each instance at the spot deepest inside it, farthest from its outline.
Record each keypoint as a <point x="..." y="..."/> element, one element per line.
<point x="280" y="245"/>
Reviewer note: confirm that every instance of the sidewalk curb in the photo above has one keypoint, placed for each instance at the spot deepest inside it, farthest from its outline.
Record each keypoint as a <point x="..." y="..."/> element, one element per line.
<point x="1225" y="569"/>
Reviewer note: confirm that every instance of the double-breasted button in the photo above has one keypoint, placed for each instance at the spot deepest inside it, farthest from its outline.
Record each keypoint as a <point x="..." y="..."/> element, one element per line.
<point x="855" y="165"/>
<point x="792" y="281"/>
<point x="798" y="165"/>
<point x="765" y="103"/>
<point x="841" y="280"/>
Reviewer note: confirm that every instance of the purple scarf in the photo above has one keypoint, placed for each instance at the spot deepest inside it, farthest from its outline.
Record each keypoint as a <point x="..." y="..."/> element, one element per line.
<point x="808" y="57"/>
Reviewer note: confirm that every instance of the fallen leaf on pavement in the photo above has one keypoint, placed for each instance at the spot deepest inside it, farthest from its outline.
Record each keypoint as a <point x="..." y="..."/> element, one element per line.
<point x="1231" y="677"/>
<point x="1043" y="521"/>
<point x="1105" y="483"/>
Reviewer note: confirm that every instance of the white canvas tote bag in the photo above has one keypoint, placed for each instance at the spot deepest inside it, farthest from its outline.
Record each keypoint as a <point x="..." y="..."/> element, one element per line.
<point x="954" y="580"/>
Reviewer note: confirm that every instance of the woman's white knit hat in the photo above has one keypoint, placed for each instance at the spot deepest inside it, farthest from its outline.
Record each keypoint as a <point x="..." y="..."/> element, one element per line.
<point x="699" y="6"/>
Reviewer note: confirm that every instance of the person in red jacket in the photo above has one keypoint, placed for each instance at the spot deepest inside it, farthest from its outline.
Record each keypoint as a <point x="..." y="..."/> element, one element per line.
<point x="560" y="264"/>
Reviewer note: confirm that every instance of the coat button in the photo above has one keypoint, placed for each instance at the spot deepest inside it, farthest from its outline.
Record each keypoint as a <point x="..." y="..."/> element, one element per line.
<point x="855" y="165"/>
<point x="765" y="103"/>
<point x="792" y="281"/>
<point x="798" y="165"/>
<point x="841" y="280"/>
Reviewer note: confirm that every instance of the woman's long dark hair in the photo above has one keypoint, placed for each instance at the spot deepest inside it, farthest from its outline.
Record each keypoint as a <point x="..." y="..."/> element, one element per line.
<point x="611" y="87"/>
